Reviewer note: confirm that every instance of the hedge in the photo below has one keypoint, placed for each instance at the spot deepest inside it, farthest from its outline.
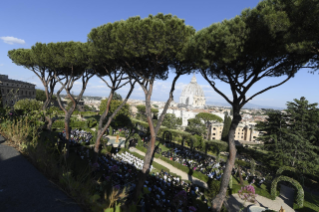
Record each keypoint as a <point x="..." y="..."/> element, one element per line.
<point x="89" y="123"/>
<point x="284" y="168"/>
<point x="177" y="165"/>
<point x="300" y="192"/>
<point x="175" y="133"/>
<point x="75" y="124"/>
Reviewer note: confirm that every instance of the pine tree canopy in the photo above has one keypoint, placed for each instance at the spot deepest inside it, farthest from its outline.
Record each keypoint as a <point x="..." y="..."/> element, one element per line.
<point x="146" y="47"/>
<point x="209" y="117"/>
<point x="302" y="20"/>
<point x="243" y="50"/>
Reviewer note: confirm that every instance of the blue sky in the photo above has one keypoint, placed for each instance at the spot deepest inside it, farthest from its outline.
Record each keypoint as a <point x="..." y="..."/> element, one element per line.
<point x="23" y="23"/>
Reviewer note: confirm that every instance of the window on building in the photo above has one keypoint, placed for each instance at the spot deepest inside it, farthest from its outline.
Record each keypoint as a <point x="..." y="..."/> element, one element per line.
<point x="213" y="138"/>
<point x="213" y="133"/>
<point x="214" y="128"/>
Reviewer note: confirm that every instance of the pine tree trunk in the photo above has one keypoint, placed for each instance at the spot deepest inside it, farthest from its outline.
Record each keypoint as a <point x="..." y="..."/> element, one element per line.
<point x="218" y="201"/>
<point x="102" y="130"/>
<point x="67" y="131"/>
<point x="147" y="160"/>
<point x="50" y="122"/>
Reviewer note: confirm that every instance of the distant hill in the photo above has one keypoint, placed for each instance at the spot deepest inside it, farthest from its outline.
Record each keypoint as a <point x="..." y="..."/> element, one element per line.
<point x="247" y="105"/>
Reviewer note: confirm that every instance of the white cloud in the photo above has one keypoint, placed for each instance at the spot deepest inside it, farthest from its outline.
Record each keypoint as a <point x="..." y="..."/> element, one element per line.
<point x="1" y="64"/>
<point x="12" y="40"/>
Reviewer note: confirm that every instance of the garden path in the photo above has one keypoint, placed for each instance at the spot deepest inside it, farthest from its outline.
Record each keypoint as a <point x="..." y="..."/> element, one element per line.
<point x="174" y="170"/>
<point x="24" y="188"/>
<point x="234" y="203"/>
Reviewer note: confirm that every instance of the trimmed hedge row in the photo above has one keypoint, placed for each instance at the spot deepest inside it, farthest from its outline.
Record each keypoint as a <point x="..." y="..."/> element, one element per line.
<point x="89" y="123"/>
<point x="177" y="165"/>
<point x="300" y="192"/>
<point x="284" y="168"/>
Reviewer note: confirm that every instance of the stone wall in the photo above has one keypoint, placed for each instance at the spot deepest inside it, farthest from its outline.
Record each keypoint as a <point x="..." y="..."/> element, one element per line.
<point x="14" y="90"/>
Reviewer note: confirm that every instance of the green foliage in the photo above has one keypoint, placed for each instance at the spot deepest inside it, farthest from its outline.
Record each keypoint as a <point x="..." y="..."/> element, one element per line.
<point x="284" y="168"/>
<point x="196" y="174"/>
<point x="299" y="18"/>
<point x="69" y="105"/>
<point x="213" y="188"/>
<point x="199" y="142"/>
<point x="88" y="108"/>
<point x="300" y="191"/>
<point x="113" y="106"/>
<point x="117" y="96"/>
<point x="91" y="122"/>
<point x="293" y="136"/>
<point x="206" y="117"/>
<point x="195" y="126"/>
<point x="121" y="119"/>
<point x="72" y="123"/>
<point x="111" y="130"/>
<point x="28" y="105"/>
<point x="170" y="121"/>
<point x="227" y="123"/>
<point x="41" y="96"/>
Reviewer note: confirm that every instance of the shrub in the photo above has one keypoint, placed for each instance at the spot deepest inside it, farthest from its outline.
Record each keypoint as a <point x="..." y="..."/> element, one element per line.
<point x="91" y="122"/>
<point x="300" y="191"/>
<point x="28" y="105"/>
<point x="111" y="130"/>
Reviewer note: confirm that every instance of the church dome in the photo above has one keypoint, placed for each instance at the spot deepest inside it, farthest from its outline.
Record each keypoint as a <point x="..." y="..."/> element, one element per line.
<point x="193" y="94"/>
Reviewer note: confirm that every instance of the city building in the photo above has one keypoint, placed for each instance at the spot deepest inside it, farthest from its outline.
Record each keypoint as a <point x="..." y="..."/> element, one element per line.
<point x="15" y="90"/>
<point x="244" y="132"/>
<point x="192" y="98"/>
<point x="192" y="95"/>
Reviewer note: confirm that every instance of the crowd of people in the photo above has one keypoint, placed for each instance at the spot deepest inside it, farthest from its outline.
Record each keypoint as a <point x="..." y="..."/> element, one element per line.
<point x="196" y="161"/>
<point x="77" y="137"/>
<point x="161" y="189"/>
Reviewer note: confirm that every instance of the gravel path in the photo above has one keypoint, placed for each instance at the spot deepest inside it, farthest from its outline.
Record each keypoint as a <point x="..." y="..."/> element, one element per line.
<point x="234" y="203"/>
<point x="174" y="170"/>
<point x="24" y="188"/>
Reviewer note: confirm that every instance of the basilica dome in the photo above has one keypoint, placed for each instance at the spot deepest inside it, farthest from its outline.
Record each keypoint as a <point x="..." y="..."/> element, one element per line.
<point x="192" y="95"/>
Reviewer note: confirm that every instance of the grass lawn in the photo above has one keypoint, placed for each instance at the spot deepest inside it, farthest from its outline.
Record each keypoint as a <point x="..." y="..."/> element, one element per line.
<point x="262" y="191"/>
<point x="311" y="203"/>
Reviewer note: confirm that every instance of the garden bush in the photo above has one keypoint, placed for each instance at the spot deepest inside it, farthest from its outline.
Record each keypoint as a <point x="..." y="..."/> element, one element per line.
<point x="300" y="191"/>
<point x="91" y="122"/>
<point x="28" y="105"/>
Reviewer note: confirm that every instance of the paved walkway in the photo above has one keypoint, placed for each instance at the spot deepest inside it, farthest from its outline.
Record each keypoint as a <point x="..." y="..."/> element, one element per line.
<point x="174" y="170"/>
<point x="234" y="203"/>
<point x="24" y="188"/>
